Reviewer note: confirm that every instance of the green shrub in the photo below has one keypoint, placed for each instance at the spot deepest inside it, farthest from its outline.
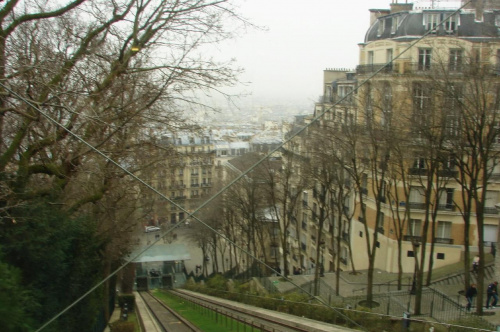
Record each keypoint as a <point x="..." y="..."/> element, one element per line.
<point x="217" y="282"/>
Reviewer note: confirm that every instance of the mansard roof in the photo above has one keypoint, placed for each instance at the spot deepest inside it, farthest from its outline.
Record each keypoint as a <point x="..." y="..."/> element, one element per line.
<point x="411" y="25"/>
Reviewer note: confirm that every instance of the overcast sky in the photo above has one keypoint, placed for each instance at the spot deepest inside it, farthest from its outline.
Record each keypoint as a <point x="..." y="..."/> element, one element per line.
<point x="303" y="38"/>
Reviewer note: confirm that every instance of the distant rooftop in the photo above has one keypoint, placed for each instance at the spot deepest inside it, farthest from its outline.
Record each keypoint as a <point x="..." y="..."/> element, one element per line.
<point x="437" y="4"/>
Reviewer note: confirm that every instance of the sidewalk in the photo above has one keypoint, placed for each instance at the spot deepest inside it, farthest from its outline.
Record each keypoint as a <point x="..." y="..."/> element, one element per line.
<point x="141" y="311"/>
<point x="114" y="317"/>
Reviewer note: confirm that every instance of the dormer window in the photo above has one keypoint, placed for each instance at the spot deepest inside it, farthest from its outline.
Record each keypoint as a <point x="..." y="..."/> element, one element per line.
<point x="451" y="24"/>
<point x="381" y="27"/>
<point x="395" y="24"/>
<point x="431" y="21"/>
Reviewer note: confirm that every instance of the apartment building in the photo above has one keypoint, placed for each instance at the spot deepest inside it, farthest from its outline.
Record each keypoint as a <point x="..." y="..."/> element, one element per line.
<point x="417" y="65"/>
<point x="185" y="176"/>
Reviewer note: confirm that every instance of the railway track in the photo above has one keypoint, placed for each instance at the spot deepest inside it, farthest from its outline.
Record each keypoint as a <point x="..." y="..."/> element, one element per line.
<point x="166" y="318"/>
<point x="259" y="319"/>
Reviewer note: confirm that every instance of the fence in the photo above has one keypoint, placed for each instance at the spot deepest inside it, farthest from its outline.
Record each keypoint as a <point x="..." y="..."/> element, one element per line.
<point x="388" y="300"/>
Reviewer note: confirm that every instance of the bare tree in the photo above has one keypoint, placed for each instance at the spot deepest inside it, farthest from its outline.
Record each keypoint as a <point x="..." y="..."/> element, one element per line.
<point x="111" y="72"/>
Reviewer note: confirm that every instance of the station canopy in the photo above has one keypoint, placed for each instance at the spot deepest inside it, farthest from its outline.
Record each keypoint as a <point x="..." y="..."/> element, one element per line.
<point x="160" y="253"/>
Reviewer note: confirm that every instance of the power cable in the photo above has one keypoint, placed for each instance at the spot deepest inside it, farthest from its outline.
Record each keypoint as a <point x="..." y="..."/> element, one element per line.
<point x="223" y="189"/>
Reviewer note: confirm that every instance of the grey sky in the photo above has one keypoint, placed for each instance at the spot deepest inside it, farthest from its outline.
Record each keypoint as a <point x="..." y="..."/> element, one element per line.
<point x="303" y="38"/>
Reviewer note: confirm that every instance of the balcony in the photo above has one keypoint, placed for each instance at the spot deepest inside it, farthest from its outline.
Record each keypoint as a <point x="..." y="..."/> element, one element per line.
<point x="413" y="238"/>
<point x="490" y="210"/>
<point x="443" y="240"/>
<point x="446" y="207"/>
<point x="371" y="68"/>
<point x="206" y="184"/>
<point x="447" y="173"/>
<point x="416" y="206"/>
<point x="194" y="185"/>
<point x="495" y="177"/>
<point x="417" y="171"/>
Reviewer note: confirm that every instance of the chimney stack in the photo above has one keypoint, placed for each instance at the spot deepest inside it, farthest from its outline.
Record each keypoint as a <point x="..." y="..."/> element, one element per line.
<point x="376" y="13"/>
<point x="400" y="7"/>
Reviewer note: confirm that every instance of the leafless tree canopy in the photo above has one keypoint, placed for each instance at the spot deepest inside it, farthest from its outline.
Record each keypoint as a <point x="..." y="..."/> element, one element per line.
<point x="115" y="73"/>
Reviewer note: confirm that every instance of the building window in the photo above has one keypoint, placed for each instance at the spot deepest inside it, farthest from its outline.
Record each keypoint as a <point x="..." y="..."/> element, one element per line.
<point x="419" y="163"/>
<point x="446" y="199"/>
<point x="416" y="199"/>
<point x="414" y="227"/>
<point x="421" y="97"/>
<point x="370" y="57"/>
<point x="381" y="27"/>
<point x="498" y="63"/>
<point x="443" y="230"/>
<point x="389" y="54"/>
<point x="386" y="105"/>
<point x="424" y="58"/>
<point x="395" y="24"/>
<point x="368" y="105"/>
<point x="450" y="25"/>
<point x="380" y="222"/>
<point x="345" y="91"/>
<point x="453" y="102"/>
<point x="422" y="109"/>
<point x="440" y="255"/>
<point x="490" y="200"/>
<point x="431" y="21"/>
<point x="410" y="253"/>
<point x="455" y="61"/>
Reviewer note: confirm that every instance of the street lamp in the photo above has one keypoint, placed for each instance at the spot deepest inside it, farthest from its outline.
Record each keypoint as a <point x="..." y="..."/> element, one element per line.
<point x="497" y="257"/>
<point x="322" y="261"/>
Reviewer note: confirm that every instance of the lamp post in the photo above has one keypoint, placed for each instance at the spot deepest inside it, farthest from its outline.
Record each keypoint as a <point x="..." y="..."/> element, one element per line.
<point x="497" y="257"/>
<point x="322" y="260"/>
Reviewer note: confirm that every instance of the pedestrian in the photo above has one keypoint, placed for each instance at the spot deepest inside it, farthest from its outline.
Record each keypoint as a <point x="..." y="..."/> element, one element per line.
<point x="491" y="292"/>
<point x="470" y="294"/>
<point x="475" y="263"/>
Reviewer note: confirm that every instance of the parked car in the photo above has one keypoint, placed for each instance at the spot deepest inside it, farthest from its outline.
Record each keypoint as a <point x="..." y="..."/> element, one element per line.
<point x="151" y="229"/>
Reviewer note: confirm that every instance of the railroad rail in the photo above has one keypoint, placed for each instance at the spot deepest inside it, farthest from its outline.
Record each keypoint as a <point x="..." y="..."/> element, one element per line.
<point x="260" y="319"/>
<point x="167" y="318"/>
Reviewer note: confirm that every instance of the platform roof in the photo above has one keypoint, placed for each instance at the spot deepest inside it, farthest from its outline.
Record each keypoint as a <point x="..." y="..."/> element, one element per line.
<point x="160" y="253"/>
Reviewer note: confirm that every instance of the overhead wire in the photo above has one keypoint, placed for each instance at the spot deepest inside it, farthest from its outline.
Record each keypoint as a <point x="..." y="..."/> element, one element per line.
<point x="190" y="215"/>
